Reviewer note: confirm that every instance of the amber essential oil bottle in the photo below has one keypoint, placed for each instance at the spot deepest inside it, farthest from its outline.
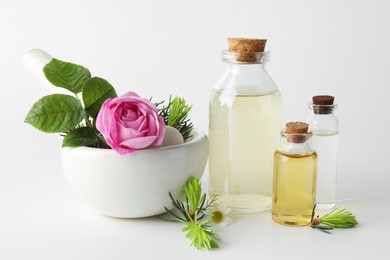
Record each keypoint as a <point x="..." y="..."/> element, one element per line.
<point x="294" y="182"/>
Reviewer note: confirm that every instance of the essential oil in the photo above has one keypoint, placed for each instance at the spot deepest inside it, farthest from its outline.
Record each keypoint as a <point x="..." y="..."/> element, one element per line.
<point x="324" y="126"/>
<point x="294" y="183"/>
<point x="244" y="128"/>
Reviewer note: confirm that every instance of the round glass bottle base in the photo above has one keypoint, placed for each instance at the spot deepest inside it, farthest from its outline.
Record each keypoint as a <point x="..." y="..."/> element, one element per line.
<point x="291" y="220"/>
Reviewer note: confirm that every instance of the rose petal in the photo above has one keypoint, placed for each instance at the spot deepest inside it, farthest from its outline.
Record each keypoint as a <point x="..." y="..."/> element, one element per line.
<point x="103" y="122"/>
<point x="130" y="122"/>
<point x="161" y="132"/>
<point x="129" y="113"/>
<point x="139" y="143"/>
<point x="136" y="124"/>
<point x="152" y="125"/>
<point x="128" y="133"/>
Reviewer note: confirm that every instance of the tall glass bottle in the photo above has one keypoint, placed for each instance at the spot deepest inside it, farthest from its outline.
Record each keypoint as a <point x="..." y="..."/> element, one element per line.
<point x="244" y="128"/>
<point x="294" y="183"/>
<point x="324" y="125"/>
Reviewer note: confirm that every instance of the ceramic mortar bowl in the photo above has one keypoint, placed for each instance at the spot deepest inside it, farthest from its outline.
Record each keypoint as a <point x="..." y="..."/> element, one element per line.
<point x="133" y="185"/>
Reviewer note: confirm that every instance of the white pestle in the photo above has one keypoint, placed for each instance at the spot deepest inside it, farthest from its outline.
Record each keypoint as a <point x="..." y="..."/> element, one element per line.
<point x="34" y="61"/>
<point x="172" y="137"/>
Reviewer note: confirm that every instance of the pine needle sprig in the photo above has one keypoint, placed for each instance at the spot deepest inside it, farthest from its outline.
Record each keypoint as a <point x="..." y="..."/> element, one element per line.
<point x="337" y="218"/>
<point x="200" y="235"/>
<point x="191" y="212"/>
<point x="175" y="114"/>
<point x="193" y="192"/>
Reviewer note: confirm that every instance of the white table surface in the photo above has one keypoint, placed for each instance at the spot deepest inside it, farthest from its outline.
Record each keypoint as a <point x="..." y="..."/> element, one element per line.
<point x="41" y="218"/>
<point x="157" y="48"/>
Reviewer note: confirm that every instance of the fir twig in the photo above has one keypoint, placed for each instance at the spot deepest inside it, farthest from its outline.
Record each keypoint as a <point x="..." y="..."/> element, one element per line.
<point x="200" y="235"/>
<point x="175" y="114"/>
<point x="337" y="218"/>
<point x="192" y="214"/>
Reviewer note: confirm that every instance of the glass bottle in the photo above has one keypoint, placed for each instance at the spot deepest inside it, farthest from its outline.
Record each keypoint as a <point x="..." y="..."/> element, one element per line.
<point x="324" y="126"/>
<point x="244" y="128"/>
<point x="294" y="182"/>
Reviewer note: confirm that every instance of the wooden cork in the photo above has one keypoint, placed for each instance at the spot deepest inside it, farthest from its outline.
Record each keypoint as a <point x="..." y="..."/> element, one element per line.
<point x="323" y="100"/>
<point x="246" y="48"/>
<point x="322" y="104"/>
<point x="294" y="131"/>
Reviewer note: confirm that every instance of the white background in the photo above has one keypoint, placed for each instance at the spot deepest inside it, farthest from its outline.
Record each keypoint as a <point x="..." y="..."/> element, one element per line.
<point x="157" y="48"/>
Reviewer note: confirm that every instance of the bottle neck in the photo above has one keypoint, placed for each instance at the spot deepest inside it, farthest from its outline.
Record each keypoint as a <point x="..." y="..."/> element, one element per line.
<point x="296" y="143"/>
<point x="246" y="67"/>
<point x="246" y="78"/>
<point x="296" y="148"/>
<point x="323" y="109"/>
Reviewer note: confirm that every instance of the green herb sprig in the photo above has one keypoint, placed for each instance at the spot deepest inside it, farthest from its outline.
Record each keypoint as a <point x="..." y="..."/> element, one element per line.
<point x="191" y="212"/>
<point x="337" y="218"/>
<point x="73" y="115"/>
<point x="175" y="114"/>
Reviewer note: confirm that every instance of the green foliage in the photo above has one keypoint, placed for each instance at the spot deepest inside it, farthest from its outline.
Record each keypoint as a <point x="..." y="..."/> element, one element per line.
<point x="193" y="192"/>
<point x="200" y="235"/>
<point x="96" y="90"/>
<point x="66" y="75"/>
<point x="178" y="111"/>
<point x="65" y="114"/>
<point x="175" y="114"/>
<point x="55" y="113"/>
<point x="337" y="218"/>
<point x="83" y="136"/>
<point x="192" y="214"/>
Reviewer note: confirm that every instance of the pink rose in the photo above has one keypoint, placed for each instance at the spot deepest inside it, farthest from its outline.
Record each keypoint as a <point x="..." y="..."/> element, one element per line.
<point x="130" y="122"/>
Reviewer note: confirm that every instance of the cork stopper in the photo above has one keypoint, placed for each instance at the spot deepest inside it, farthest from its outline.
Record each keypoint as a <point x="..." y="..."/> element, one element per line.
<point x="323" y="104"/>
<point x="246" y="48"/>
<point x="296" y="132"/>
<point x="323" y="100"/>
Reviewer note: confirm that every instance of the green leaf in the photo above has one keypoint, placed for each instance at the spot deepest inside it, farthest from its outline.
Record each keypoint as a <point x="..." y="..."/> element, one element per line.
<point x="95" y="92"/>
<point x="55" y="113"/>
<point x="66" y="75"/>
<point x="83" y="136"/>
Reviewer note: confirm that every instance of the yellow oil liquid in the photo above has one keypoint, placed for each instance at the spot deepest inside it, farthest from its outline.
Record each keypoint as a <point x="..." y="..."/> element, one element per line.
<point x="244" y="132"/>
<point x="294" y="188"/>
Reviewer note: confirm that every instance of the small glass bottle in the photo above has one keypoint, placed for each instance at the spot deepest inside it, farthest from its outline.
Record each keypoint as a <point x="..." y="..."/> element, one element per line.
<point x="324" y="126"/>
<point x="244" y="128"/>
<point x="294" y="183"/>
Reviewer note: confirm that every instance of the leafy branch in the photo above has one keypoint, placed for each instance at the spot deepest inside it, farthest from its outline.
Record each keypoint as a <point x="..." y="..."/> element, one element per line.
<point x="66" y="114"/>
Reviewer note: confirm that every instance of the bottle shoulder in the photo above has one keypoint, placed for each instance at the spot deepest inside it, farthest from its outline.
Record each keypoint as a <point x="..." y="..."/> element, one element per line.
<point x="245" y="82"/>
<point x="296" y="150"/>
<point x="323" y="124"/>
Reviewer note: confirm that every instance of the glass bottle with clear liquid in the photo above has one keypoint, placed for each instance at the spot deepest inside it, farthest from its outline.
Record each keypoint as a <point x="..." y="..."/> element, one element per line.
<point x="244" y="131"/>
<point x="324" y="125"/>
<point x="294" y="182"/>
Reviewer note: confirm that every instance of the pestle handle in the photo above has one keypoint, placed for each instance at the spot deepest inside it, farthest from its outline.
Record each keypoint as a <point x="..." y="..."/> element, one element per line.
<point x="34" y="61"/>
